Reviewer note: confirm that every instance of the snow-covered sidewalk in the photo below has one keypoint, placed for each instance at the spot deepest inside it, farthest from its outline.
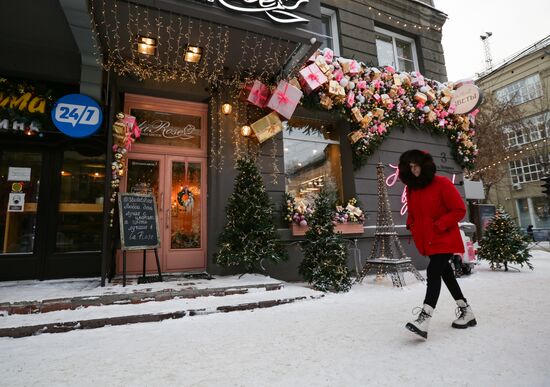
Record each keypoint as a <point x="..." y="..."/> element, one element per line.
<point x="352" y="339"/>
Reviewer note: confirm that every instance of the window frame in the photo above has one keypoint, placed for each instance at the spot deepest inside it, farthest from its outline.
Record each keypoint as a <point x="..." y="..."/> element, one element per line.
<point x="509" y="93"/>
<point x="518" y="173"/>
<point x="337" y="142"/>
<point x="393" y="36"/>
<point x="332" y="14"/>
<point x="529" y="130"/>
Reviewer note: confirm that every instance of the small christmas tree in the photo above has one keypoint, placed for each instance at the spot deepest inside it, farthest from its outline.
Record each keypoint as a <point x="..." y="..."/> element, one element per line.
<point x="325" y="252"/>
<point x="249" y="235"/>
<point x="504" y="242"/>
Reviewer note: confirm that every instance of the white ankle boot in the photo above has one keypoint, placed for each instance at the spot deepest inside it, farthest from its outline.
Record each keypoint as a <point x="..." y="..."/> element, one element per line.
<point x="422" y="323"/>
<point x="465" y="316"/>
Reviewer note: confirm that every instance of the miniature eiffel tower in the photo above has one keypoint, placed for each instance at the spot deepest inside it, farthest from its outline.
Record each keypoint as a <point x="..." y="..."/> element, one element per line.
<point x="387" y="255"/>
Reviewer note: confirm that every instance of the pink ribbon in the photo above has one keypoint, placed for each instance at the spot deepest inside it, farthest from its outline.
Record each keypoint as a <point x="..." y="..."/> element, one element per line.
<point x="282" y="96"/>
<point x="312" y="76"/>
<point x="258" y="96"/>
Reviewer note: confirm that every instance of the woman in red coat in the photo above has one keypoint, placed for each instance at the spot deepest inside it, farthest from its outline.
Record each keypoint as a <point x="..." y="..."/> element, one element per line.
<point x="434" y="209"/>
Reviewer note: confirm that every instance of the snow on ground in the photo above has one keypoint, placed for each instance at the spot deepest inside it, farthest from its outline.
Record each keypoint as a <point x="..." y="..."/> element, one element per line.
<point x="352" y="339"/>
<point x="33" y="290"/>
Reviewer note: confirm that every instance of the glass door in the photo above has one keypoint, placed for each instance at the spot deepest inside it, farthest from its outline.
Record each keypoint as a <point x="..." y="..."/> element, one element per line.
<point x="179" y="186"/>
<point x="19" y="190"/>
<point x="185" y="214"/>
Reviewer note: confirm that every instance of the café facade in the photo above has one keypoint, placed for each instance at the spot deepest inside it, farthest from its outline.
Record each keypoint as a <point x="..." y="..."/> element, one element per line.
<point x="181" y="68"/>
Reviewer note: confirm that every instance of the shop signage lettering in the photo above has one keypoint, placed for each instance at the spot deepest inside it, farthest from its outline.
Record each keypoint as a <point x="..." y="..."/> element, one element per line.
<point x="77" y="115"/>
<point x="25" y="102"/>
<point x="6" y="124"/>
<point x="280" y="11"/>
<point x="160" y="128"/>
<point x="466" y="98"/>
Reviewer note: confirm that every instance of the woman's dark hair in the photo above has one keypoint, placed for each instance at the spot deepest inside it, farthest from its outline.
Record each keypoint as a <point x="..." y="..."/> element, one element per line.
<point x="422" y="159"/>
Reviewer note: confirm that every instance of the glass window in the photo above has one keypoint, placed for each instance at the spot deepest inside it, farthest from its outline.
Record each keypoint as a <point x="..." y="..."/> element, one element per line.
<point x="395" y="50"/>
<point x="541" y="208"/>
<point x="329" y="29"/>
<point x="525" y="170"/>
<point x="19" y="188"/>
<point x="312" y="159"/>
<point x="81" y="202"/>
<point x="523" y="212"/>
<point x="521" y="91"/>
<point x="528" y="130"/>
<point x="185" y="224"/>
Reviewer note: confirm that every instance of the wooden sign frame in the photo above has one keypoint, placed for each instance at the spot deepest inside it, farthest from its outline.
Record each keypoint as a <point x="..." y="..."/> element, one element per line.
<point x="121" y="223"/>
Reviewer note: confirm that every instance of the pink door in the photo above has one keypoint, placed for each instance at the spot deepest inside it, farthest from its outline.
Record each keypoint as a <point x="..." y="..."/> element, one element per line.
<point x="184" y="223"/>
<point x="178" y="184"/>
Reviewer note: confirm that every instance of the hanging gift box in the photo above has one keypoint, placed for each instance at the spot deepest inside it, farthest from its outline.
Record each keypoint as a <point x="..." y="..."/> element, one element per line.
<point x="326" y="102"/>
<point x="397" y="80"/>
<point x="256" y="93"/>
<point x="357" y="116"/>
<point x="285" y="99"/>
<point x="420" y="97"/>
<point x="312" y="78"/>
<point x="335" y="89"/>
<point x="366" y="120"/>
<point x="356" y="136"/>
<point x="295" y="82"/>
<point x="267" y="127"/>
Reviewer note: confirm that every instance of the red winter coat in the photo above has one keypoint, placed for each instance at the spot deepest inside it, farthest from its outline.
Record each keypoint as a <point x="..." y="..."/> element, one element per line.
<point x="434" y="213"/>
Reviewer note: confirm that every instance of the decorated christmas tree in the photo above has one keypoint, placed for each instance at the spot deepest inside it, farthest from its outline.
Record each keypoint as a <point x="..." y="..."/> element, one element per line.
<point x="325" y="253"/>
<point x="504" y="242"/>
<point x="249" y="235"/>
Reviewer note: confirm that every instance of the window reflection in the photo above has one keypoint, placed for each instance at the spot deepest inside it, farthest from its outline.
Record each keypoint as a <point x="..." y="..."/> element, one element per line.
<point x="81" y="202"/>
<point x="18" y="227"/>
<point x="312" y="160"/>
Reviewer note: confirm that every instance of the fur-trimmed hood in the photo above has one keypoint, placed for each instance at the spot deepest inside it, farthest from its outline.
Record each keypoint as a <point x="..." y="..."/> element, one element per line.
<point x="426" y="163"/>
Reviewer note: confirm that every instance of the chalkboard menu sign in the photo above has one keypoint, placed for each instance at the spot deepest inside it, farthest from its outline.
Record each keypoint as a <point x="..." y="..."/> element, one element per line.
<point x="139" y="226"/>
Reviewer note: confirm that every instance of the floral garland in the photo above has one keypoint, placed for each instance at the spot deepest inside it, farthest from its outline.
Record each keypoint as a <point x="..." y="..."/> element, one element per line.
<point x="375" y="100"/>
<point x="125" y="132"/>
<point x="299" y="213"/>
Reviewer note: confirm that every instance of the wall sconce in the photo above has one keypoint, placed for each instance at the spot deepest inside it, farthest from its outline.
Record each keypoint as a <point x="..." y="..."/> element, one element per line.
<point x="193" y="54"/>
<point x="227" y="108"/>
<point x="146" y="45"/>
<point x="246" y="130"/>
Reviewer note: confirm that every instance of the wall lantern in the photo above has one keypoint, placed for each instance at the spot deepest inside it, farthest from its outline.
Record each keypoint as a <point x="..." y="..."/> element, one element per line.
<point x="192" y="54"/>
<point x="146" y="45"/>
<point x="246" y="130"/>
<point x="227" y="108"/>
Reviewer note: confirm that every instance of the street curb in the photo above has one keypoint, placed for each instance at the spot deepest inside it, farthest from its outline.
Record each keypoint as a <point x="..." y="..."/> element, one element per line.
<point x="32" y="307"/>
<point x="32" y="330"/>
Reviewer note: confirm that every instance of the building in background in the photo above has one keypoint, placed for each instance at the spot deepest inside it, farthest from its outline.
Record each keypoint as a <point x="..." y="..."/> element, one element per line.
<point x="522" y="85"/>
<point x="144" y="58"/>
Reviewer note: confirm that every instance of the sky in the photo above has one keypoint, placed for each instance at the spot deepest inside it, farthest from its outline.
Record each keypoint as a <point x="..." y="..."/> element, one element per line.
<point x="515" y="25"/>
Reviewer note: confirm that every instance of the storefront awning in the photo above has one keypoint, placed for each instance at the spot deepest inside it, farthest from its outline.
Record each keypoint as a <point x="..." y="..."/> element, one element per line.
<point x="152" y="43"/>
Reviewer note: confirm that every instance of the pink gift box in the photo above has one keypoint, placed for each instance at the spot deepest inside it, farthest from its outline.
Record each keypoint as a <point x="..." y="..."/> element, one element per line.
<point x="285" y="99"/>
<point x="257" y="93"/>
<point x="312" y="78"/>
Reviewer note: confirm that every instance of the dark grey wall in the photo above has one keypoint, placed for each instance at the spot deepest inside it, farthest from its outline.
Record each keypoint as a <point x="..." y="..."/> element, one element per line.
<point x="357" y="37"/>
<point x="366" y="189"/>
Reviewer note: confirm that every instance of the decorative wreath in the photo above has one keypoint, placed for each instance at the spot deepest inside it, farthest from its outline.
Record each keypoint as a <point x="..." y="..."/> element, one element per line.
<point x="185" y="198"/>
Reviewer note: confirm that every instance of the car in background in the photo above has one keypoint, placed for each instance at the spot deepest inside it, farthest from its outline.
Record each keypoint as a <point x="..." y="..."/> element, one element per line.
<point x="463" y="263"/>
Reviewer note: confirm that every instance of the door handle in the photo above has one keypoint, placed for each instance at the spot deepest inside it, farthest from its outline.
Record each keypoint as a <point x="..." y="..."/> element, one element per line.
<point x="168" y="217"/>
<point x="162" y="201"/>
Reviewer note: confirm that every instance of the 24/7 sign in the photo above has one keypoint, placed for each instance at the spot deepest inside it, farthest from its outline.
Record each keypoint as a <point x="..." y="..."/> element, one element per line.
<point x="77" y="115"/>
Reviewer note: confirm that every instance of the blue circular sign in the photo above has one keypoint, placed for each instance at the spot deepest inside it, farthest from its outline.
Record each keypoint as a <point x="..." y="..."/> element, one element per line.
<point x="77" y="115"/>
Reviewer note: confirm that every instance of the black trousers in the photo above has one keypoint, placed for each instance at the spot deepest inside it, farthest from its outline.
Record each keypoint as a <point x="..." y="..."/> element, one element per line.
<point x="438" y="268"/>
